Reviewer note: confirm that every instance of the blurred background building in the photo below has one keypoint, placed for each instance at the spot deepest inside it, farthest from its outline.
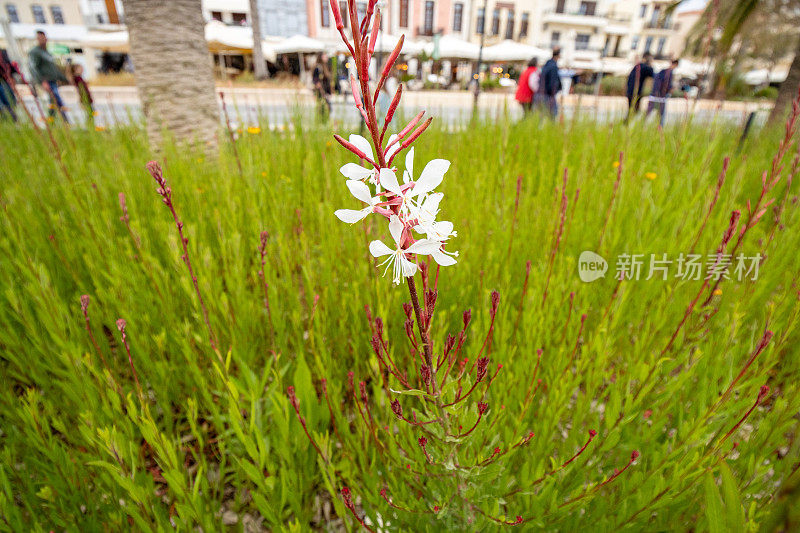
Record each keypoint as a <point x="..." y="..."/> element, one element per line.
<point x="443" y="37"/>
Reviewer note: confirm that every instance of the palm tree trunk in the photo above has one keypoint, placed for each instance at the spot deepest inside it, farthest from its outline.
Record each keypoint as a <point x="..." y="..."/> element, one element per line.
<point x="173" y="70"/>
<point x="788" y="90"/>
<point x="259" y="65"/>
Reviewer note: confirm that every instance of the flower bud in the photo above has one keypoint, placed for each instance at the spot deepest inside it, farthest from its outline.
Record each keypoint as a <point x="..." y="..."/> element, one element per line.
<point x="482" y="407"/>
<point x="397" y="409"/>
<point x="481" y="364"/>
<point x="467" y="317"/>
<point x="425" y="374"/>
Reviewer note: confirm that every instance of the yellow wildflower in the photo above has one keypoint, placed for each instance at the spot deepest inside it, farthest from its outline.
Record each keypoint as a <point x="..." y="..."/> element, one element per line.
<point x="717" y="292"/>
<point x="650" y="175"/>
<point x="615" y="164"/>
<point x="263" y="174"/>
<point x="254" y="130"/>
<point x="99" y="128"/>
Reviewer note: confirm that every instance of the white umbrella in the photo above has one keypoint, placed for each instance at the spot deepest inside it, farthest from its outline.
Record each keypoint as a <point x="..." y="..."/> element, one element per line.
<point x="112" y="41"/>
<point x="513" y="51"/>
<point x="221" y="37"/>
<point x="453" y="48"/>
<point x="299" y="44"/>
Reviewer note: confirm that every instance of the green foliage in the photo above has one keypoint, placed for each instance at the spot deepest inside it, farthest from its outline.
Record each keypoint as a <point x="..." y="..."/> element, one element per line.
<point x="768" y="92"/>
<point x="213" y="442"/>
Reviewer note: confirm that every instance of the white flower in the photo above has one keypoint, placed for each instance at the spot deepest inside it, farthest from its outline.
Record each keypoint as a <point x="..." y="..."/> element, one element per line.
<point x="353" y="171"/>
<point x="392" y="149"/>
<point x="362" y="144"/>
<point x="431" y="177"/>
<point x="408" y="174"/>
<point x="361" y="192"/>
<point x="401" y="266"/>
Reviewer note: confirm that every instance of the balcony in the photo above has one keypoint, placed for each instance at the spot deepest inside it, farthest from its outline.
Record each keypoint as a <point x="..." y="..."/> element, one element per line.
<point x="573" y="18"/>
<point x="666" y="25"/>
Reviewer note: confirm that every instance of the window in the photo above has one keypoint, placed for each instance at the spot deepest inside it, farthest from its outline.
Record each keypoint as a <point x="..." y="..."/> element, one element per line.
<point x="458" y="15"/>
<point x="523" y="26"/>
<point x="13" y="16"/>
<point x="344" y="12"/>
<point x="510" y="25"/>
<point x="57" y="14"/>
<point x="560" y="6"/>
<point x="496" y="22"/>
<point x="660" y="48"/>
<point x="38" y="14"/>
<point x="325" y="17"/>
<point x="635" y="42"/>
<point x="643" y="11"/>
<point x="240" y="19"/>
<point x="654" y="18"/>
<point x="216" y="15"/>
<point x="648" y="43"/>
<point x="403" y="13"/>
<point x="428" y="30"/>
<point x="555" y="37"/>
<point x="582" y="41"/>
<point x="588" y="8"/>
<point x="479" y="23"/>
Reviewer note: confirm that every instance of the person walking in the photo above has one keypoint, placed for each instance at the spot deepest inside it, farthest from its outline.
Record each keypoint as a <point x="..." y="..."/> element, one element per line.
<point x="662" y="87"/>
<point x="635" y="86"/>
<point x="45" y="71"/>
<point x="550" y="84"/>
<point x="321" y="79"/>
<point x="528" y="85"/>
<point x="7" y="99"/>
<point x="84" y="95"/>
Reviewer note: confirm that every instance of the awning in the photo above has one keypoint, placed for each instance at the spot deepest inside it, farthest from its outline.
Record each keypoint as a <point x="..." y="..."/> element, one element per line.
<point x="761" y="76"/>
<point x="224" y="38"/>
<point x="54" y="32"/>
<point x="513" y="51"/>
<point x="220" y="38"/>
<point x="299" y="44"/>
<point x="453" y="48"/>
<point x="109" y="41"/>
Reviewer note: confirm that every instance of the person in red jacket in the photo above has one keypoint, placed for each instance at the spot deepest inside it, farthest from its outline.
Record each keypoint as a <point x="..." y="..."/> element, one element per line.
<point x="528" y="85"/>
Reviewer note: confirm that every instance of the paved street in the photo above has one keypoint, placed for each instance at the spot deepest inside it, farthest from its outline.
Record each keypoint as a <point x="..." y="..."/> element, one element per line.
<point x="275" y="108"/>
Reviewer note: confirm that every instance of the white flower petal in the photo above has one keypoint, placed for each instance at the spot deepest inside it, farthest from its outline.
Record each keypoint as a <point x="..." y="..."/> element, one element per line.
<point x="408" y="175"/>
<point x="360" y="190"/>
<point x="442" y="259"/>
<point x="351" y="216"/>
<point x="432" y="175"/>
<point x="395" y="147"/>
<point x="352" y="171"/>
<point x="424" y="247"/>
<point x="443" y="229"/>
<point x="389" y="181"/>
<point x="378" y="249"/>
<point x="362" y="144"/>
<point x="408" y="268"/>
<point x="396" y="229"/>
<point x="431" y="203"/>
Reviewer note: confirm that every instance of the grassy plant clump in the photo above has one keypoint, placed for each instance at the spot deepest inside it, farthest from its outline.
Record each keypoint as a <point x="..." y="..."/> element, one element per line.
<point x="139" y="394"/>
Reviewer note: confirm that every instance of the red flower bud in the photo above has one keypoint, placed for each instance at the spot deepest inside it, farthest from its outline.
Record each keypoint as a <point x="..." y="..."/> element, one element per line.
<point x="482" y="407"/>
<point x="482" y="363"/>
<point x="397" y="409"/>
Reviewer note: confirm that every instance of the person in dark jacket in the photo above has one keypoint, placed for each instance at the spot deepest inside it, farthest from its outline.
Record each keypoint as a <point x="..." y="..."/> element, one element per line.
<point x="662" y="87"/>
<point x="7" y="99"/>
<point x="46" y="72"/>
<point x="550" y="84"/>
<point x="636" y="79"/>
